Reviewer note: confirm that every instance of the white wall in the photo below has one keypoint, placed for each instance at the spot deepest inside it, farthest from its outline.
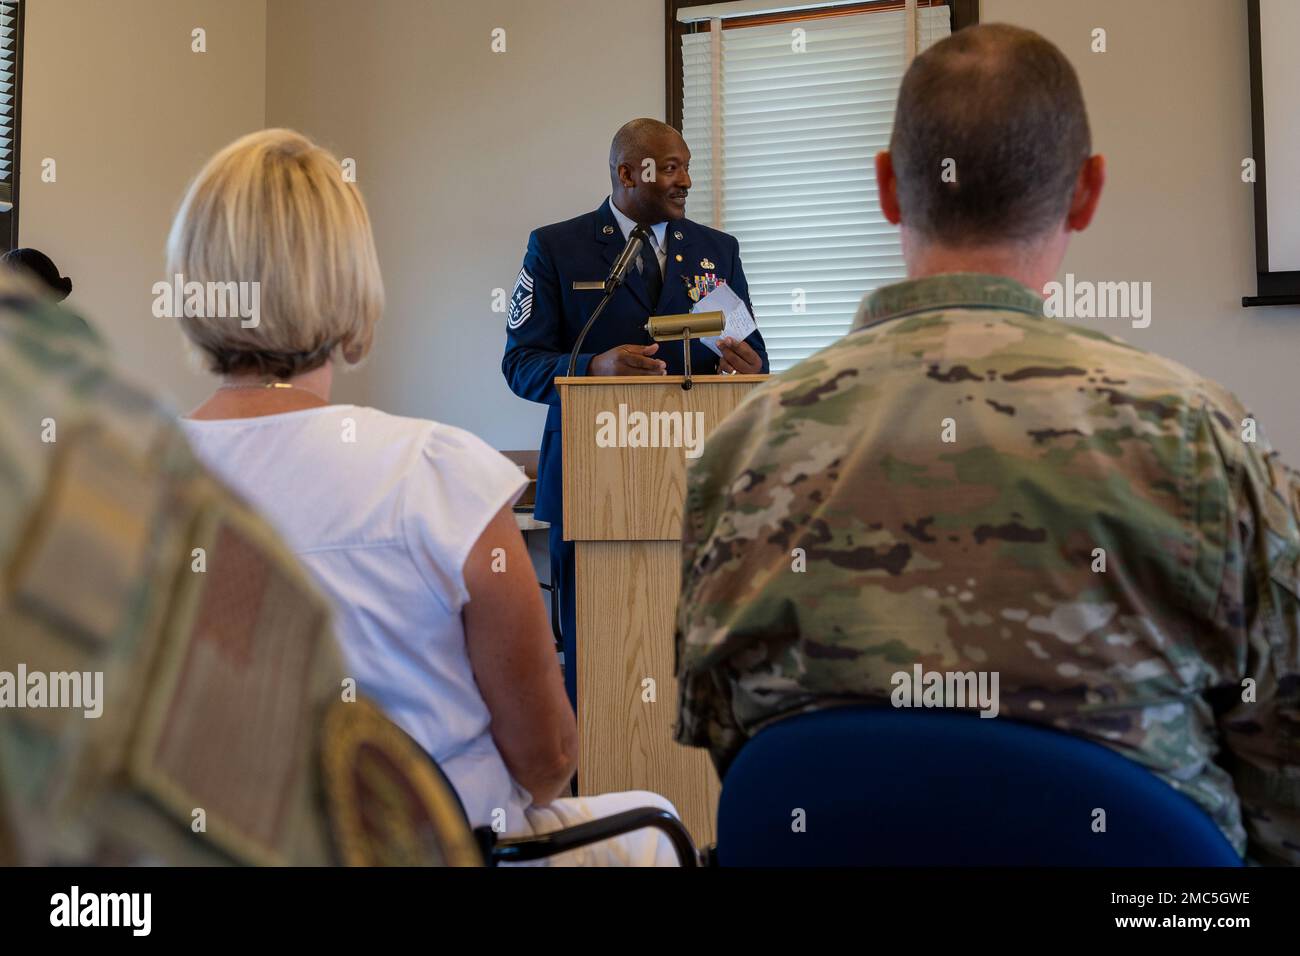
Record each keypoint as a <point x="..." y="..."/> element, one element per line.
<point x="461" y="152"/>
<point x="113" y="94"/>
<point x="1169" y="103"/>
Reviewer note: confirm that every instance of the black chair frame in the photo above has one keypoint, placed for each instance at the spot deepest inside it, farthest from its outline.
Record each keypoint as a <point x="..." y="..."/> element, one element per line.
<point x="497" y="850"/>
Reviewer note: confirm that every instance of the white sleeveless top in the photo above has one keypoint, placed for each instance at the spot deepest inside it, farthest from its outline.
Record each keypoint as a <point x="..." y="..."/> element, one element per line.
<point x="383" y="511"/>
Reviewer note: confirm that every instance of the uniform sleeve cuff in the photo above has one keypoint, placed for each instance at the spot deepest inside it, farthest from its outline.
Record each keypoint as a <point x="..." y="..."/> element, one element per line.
<point x="562" y="364"/>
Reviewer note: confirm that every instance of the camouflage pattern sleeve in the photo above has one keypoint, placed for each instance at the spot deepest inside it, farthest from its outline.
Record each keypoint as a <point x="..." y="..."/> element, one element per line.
<point x="1260" y="719"/>
<point x="705" y="639"/>
<point x="704" y="711"/>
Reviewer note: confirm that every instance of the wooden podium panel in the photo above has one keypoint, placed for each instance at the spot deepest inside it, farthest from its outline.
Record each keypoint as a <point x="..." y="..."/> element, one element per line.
<point x="634" y="494"/>
<point x="623" y="510"/>
<point x="625" y="640"/>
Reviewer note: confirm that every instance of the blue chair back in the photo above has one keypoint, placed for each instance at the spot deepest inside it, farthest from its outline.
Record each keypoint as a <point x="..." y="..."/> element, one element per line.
<point x="884" y="787"/>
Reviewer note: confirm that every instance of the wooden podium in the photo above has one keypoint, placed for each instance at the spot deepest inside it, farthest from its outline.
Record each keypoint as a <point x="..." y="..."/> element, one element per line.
<point x="623" y="504"/>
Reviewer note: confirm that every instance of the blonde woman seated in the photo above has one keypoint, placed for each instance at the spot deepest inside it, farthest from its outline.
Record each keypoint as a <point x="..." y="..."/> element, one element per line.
<point x="398" y="518"/>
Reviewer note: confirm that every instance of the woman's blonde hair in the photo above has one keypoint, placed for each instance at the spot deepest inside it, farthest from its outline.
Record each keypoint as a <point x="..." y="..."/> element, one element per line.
<point x="274" y="208"/>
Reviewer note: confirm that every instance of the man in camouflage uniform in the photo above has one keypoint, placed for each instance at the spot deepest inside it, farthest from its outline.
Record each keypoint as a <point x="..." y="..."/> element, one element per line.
<point x="226" y="731"/>
<point x="972" y="486"/>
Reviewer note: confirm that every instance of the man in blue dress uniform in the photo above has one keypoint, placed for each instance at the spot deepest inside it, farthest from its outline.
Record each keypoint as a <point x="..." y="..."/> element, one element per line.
<point x="649" y="177"/>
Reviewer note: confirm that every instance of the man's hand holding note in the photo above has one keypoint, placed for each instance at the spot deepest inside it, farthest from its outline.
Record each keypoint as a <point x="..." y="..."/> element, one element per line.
<point x="734" y="353"/>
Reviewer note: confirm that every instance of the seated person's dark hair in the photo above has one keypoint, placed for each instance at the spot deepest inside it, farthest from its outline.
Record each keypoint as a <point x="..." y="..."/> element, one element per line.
<point x="43" y="267"/>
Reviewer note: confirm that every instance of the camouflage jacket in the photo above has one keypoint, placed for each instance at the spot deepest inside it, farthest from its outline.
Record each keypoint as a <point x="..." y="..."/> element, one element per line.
<point x="963" y="484"/>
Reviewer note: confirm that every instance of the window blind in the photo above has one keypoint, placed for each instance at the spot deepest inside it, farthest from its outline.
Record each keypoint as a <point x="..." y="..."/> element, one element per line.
<point x="8" y="99"/>
<point x="794" y="179"/>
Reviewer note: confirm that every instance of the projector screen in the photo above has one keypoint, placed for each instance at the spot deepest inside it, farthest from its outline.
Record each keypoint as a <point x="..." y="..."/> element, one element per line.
<point x="1275" y="123"/>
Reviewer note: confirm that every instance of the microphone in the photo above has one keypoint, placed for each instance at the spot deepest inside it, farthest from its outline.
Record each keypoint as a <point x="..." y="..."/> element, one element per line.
<point x="618" y="273"/>
<point x="636" y="238"/>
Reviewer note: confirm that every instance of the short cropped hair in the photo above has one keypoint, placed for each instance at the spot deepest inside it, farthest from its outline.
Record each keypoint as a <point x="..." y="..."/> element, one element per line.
<point x="631" y="143"/>
<point x="274" y="208"/>
<point x="1005" y="106"/>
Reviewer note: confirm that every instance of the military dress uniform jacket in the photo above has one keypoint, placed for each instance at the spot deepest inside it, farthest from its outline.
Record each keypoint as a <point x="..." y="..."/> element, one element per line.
<point x="546" y="314"/>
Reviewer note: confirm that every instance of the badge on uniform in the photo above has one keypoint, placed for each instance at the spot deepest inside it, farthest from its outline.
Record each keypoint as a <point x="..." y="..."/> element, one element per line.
<point x="388" y="804"/>
<point x="521" y="302"/>
<point x="706" y="264"/>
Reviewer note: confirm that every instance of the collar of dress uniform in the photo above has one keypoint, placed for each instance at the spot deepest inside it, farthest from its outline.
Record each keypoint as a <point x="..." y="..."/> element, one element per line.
<point x="958" y="290"/>
<point x="659" y="230"/>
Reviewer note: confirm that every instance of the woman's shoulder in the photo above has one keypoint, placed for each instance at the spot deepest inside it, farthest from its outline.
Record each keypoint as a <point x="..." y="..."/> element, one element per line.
<point x="436" y="440"/>
<point x="454" y="485"/>
<point x="374" y="418"/>
<point x="430" y="460"/>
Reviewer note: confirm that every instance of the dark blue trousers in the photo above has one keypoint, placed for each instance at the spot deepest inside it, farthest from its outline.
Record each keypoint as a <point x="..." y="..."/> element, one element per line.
<point x="563" y="577"/>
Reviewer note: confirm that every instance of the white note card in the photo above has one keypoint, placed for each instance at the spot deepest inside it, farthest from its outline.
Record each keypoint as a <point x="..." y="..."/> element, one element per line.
<point x="739" y="323"/>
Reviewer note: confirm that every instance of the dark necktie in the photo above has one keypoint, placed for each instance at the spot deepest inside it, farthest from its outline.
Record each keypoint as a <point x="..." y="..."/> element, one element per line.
<point x="649" y="269"/>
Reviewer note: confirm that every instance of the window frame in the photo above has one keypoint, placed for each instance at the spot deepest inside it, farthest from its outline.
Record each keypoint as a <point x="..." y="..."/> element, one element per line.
<point x="1273" y="288"/>
<point x="856" y="267"/>
<point x="9" y="220"/>
<point x="963" y="13"/>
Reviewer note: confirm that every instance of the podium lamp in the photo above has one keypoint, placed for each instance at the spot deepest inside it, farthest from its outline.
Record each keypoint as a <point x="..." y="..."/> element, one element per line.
<point x="670" y="328"/>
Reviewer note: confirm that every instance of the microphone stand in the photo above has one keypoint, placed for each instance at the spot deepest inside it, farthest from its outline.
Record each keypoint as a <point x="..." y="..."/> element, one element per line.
<point x="610" y="289"/>
<point x="686" y="358"/>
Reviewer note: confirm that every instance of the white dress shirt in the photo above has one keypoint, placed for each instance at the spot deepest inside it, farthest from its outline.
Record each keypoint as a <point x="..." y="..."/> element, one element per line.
<point x="659" y="231"/>
<point x="385" y="523"/>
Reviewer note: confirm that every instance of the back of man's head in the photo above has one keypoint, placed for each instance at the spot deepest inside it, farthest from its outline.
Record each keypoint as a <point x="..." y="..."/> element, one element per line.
<point x="1005" y="106"/>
